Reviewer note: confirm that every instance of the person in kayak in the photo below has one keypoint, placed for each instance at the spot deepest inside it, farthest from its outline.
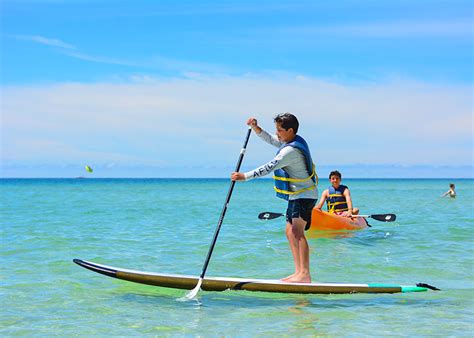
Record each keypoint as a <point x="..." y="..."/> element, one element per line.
<point x="295" y="181"/>
<point x="337" y="197"/>
<point x="451" y="192"/>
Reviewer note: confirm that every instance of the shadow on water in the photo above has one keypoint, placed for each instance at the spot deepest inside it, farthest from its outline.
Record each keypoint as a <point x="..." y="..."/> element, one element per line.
<point x="372" y="237"/>
<point x="331" y="234"/>
<point x="249" y="300"/>
<point x="366" y="237"/>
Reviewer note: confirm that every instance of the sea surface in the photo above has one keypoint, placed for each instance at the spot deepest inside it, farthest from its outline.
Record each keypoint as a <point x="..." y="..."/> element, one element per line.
<point x="166" y="225"/>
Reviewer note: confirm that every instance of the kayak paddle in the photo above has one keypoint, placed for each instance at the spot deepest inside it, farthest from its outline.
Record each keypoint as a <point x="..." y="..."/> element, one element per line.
<point x="269" y="215"/>
<point x="379" y="217"/>
<point x="192" y="294"/>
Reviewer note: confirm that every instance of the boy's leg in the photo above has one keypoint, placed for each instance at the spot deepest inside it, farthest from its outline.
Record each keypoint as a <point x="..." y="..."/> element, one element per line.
<point x="298" y="215"/>
<point x="294" y="251"/>
<point x="300" y="250"/>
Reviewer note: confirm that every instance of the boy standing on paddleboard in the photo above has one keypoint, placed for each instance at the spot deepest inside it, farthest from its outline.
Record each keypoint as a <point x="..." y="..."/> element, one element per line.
<point x="295" y="181"/>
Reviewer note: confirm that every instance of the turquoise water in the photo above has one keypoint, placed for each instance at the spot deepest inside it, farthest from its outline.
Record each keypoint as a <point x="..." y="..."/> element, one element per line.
<point x="167" y="225"/>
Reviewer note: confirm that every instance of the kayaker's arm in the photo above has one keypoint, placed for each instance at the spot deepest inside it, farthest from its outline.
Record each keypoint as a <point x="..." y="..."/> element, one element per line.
<point x="323" y="198"/>
<point x="347" y="195"/>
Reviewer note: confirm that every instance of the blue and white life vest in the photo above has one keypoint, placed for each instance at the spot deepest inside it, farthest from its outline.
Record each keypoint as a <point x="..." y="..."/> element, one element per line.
<point x="336" y="201"/>
<point x="283" y="180"/>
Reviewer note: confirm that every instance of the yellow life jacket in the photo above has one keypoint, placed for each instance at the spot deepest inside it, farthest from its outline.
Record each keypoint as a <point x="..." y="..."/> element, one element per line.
<point x="283" y="180"/>
<point x="336" y="202"/>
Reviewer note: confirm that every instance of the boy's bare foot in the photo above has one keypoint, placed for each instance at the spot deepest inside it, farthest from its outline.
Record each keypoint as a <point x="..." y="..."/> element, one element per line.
<point x="288" y="277"/>
<point x="299" y="278"/>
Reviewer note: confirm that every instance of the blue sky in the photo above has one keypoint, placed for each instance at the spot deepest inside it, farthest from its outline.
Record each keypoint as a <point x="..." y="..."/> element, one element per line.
<point x="163" y="88"/>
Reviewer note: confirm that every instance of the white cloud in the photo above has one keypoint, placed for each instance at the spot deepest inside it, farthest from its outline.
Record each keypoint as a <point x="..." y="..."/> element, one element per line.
<point x="98" y="59"/>
<point x="44" y="41"/>
<point x="201" y="120"/>
<point x="155" y="62"/>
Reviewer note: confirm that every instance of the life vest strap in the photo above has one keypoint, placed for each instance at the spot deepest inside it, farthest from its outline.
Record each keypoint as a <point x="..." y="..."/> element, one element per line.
<point x="288" y="179"/>
<point x="332" y="207"/>
<point x="337" y="203"/>
<point x="332" y="210"/>
<point x="286" y="192"/>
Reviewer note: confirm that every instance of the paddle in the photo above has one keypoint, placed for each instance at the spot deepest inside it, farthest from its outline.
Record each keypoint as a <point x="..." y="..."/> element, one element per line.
<point x="192" y="294"/>
<point x="379" y="217"/>
<point x="269" y="215"/>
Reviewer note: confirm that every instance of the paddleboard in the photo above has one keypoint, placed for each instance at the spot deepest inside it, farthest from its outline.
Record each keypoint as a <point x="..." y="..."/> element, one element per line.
<point x="262" y="285"/>
<point x="322" y="220"/>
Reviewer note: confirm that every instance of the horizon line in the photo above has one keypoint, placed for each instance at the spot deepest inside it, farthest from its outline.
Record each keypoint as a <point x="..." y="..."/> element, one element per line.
<point x="223" y="178"/>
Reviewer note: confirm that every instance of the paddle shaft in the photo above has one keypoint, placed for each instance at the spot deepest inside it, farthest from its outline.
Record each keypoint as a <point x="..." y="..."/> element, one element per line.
<point x="224" y="209"/>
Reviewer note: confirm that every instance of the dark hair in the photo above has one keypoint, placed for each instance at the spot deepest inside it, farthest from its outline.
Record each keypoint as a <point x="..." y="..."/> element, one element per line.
<point x="335" y="173"/>
<point x="451" y="185"/>
<point x="287" y="121"/>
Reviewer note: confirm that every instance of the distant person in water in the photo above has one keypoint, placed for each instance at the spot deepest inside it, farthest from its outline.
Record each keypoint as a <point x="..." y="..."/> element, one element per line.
<point x="337" y="197"/>
<point x="451" y="192"/>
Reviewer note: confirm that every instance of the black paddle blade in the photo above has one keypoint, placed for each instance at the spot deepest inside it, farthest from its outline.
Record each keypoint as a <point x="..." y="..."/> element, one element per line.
<point x="269" y="215"/>
<point x="384" y="217"/>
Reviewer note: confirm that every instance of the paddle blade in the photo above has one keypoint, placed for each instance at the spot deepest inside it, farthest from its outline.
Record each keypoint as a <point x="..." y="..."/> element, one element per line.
<point x="269" y="215"/>
<point x="384" y="217"/>
<point x="193" y="293"/>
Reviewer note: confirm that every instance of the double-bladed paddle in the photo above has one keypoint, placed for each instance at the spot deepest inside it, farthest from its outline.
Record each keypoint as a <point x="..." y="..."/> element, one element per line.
<point x="193" y="293"/>
<point x="379" y="217"/>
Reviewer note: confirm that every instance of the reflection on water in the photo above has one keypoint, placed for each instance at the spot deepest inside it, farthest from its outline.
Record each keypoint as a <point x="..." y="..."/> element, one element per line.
<point x="331" y="233"/>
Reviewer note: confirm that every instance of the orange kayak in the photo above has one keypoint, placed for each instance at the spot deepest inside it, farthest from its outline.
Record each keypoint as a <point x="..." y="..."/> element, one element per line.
<point x="322" y="220"/>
